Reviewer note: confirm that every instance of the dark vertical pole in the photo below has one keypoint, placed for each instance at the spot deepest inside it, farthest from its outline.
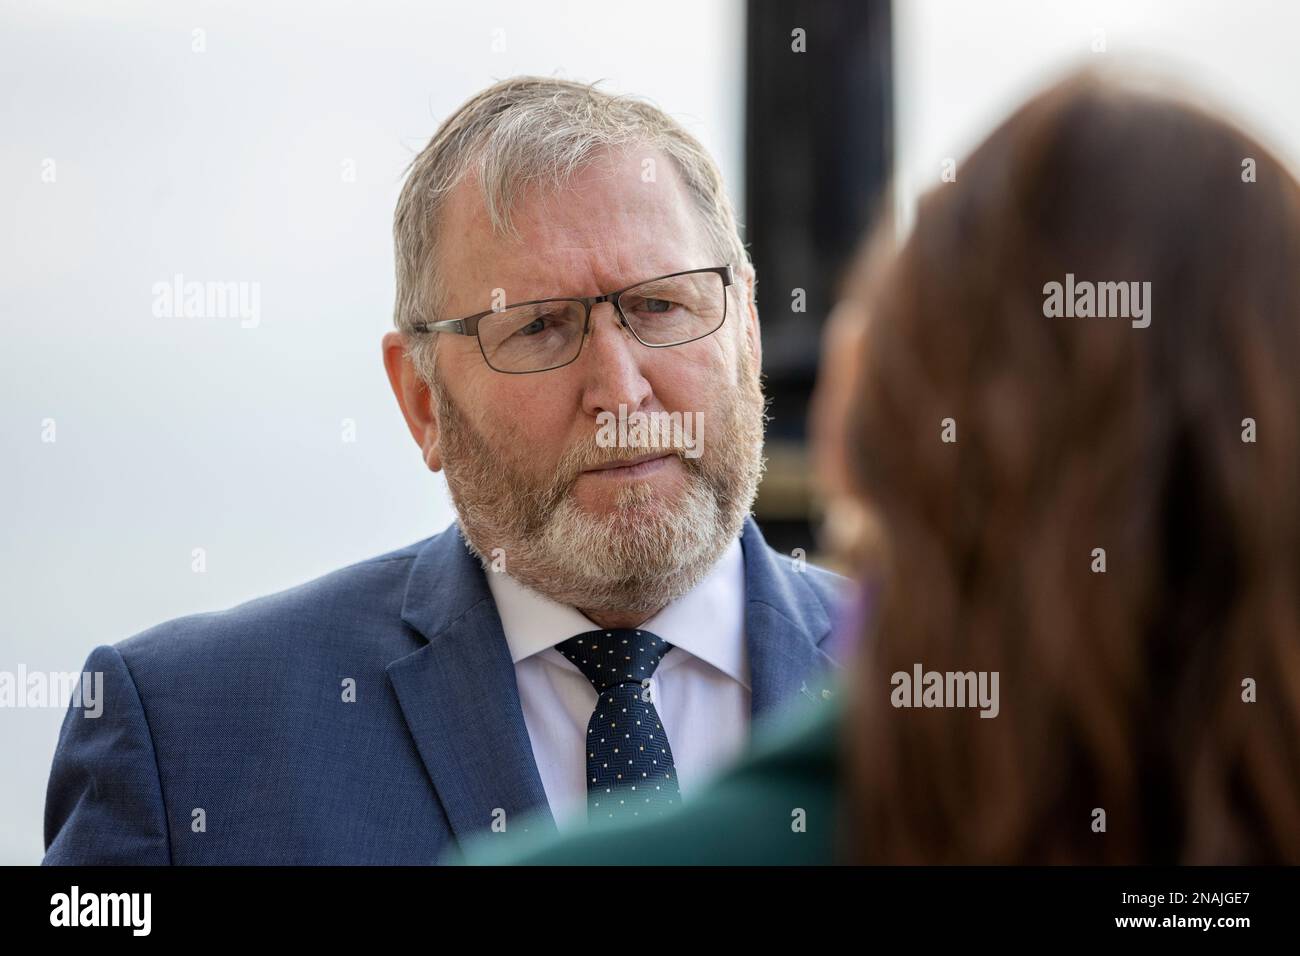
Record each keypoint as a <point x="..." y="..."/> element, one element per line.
<point x="818" y="149"/>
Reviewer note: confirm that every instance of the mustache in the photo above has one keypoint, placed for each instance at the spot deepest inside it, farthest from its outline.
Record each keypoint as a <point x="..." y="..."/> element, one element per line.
<point x="585" y="456"/>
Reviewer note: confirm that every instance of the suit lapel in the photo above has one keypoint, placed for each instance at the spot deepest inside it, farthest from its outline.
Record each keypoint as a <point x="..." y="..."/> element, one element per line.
<point x="458" y="693"/>
<point x="785" y="624"/>
<point x="461" y="703"/>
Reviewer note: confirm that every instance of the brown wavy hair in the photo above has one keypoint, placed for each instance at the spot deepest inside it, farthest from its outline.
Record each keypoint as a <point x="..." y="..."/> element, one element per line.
<point x="1123" y="690"/>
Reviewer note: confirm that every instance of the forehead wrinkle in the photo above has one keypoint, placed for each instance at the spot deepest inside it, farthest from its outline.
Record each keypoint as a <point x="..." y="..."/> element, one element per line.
<point x="585" y="254"/>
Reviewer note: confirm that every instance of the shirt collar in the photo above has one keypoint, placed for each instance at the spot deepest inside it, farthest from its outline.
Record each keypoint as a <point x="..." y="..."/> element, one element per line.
<point x="707" y="621"/>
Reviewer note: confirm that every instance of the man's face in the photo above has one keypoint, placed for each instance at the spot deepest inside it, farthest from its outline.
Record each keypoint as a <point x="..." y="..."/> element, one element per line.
<point x="520" y="451"/>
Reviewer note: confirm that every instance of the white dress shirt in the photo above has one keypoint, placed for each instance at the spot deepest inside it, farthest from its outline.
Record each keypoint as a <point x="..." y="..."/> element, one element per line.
<point x="701" y="688"/>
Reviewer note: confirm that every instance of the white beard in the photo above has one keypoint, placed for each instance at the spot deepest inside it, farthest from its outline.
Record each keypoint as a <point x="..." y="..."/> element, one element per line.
<point x="638" y="558"/>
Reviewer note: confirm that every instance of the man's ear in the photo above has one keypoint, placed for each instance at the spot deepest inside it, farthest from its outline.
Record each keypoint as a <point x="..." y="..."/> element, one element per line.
<point x="413" y="397"/>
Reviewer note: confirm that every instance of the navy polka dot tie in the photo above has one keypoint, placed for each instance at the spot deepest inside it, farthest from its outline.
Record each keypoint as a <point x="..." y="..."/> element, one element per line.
<point x="629" y="763"/>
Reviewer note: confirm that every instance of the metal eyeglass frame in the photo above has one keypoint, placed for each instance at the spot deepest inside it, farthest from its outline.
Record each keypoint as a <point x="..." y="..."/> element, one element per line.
<point x="469" y="324"/>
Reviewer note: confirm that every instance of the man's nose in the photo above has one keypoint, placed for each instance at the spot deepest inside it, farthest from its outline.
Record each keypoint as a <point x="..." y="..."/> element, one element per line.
<point x="611" y="359"/>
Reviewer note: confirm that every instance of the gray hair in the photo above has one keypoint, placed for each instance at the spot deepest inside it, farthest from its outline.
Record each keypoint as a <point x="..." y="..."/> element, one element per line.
<point x="528" y="131"/>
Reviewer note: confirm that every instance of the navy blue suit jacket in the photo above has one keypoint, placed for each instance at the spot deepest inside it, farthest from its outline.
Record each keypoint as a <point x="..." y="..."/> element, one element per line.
<point x="225" y="737"/>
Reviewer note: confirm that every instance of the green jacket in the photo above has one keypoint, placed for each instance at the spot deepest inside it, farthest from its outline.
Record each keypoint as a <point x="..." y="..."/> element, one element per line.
<point x="749" y="815"/>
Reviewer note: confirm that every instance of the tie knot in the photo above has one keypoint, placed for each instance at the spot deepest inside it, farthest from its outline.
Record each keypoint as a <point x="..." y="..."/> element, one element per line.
<point x="615" y="656"/>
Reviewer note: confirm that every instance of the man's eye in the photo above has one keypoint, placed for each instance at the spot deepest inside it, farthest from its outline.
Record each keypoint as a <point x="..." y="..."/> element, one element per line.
<point x="532" y="328"/>
<point x="656" y="305"/>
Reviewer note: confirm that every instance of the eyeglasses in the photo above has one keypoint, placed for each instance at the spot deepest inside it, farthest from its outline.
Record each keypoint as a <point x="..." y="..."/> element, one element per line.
<point x="545" y="334"/>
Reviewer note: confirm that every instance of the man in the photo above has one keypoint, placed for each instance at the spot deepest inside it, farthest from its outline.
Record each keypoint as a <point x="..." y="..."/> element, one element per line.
<point x="595" y="635"/>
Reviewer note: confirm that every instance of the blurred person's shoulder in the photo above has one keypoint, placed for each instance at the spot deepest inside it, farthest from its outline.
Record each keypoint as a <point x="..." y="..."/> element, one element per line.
<point x="778" y="805"/>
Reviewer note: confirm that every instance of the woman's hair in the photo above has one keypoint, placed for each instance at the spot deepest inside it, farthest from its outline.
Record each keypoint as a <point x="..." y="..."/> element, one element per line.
<point x="1009" y="452"/>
